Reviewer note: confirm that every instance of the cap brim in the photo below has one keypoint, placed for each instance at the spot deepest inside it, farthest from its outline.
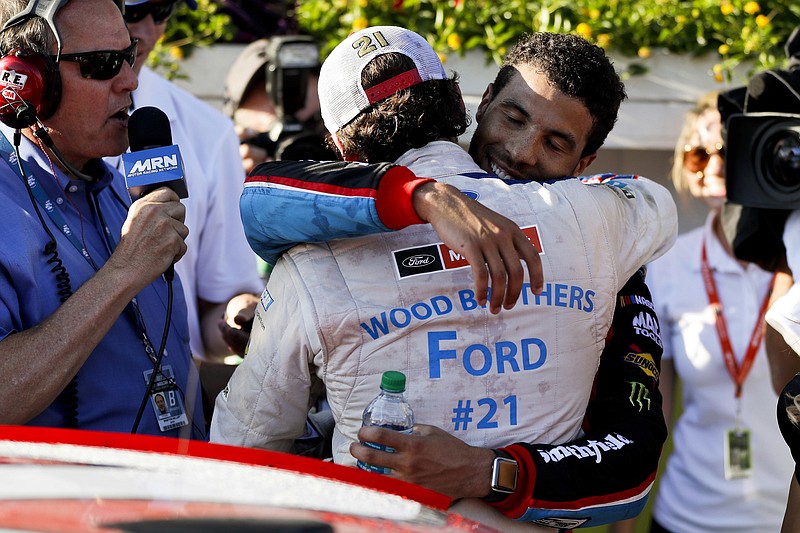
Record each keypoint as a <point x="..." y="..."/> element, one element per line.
<point x="241" y="73"/>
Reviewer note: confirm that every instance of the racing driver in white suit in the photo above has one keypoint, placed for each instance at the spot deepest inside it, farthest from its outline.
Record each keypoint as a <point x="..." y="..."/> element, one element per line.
<point x="342" y="312"/>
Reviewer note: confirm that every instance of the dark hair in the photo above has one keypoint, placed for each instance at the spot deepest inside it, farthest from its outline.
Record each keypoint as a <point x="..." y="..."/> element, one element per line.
<point x="575" y="67"/>
<point x="411" y="118"/>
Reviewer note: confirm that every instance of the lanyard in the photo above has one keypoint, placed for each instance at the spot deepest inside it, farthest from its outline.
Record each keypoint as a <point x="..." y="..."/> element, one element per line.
<point x="738" y="373"/>
<point x="55" y="215"/>
<point x="42" y="199"/>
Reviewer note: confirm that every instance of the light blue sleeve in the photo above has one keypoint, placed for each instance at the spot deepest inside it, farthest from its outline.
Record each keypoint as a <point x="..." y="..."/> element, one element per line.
<point x="275" y="218"/>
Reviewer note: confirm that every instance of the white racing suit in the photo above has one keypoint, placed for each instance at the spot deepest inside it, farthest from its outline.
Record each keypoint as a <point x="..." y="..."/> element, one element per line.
<point x="345" y="311"/>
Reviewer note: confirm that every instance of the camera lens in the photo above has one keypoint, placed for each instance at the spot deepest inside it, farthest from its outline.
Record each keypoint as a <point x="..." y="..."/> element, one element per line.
<point x="786" y="158"/>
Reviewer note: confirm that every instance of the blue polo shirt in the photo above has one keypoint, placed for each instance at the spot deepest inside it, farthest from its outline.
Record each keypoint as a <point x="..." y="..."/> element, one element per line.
<point x="111" y="384"/>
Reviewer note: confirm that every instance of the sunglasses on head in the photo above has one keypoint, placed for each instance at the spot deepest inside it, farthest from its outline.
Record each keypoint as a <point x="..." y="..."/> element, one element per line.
<point x="160" y="12"/>
<point x="696" y="158"/>
<point x="101" y="64"/>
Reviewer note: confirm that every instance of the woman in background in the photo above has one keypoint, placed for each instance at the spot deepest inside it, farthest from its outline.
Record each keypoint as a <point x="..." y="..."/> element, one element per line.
<point x="729" y="465"/>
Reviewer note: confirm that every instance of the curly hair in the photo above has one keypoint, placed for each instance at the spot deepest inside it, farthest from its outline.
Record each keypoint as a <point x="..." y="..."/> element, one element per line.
<point x="411" y="118"/>
<point x="578" y="69"/>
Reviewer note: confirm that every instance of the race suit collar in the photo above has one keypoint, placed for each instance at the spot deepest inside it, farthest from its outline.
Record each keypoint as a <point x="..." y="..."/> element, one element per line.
<point x="438" y="159"/>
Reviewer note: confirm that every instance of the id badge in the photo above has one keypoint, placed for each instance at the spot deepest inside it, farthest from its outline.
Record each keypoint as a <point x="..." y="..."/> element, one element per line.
<point x="738" y="454"/>
<point x="166" y="401"/>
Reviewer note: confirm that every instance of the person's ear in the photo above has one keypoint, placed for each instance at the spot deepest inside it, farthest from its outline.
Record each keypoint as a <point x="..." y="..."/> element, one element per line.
<point x="485" y="99"/>
<point x="583" y="164"/>
<point x="338" y="143"/>
<point x="340" y="147"/>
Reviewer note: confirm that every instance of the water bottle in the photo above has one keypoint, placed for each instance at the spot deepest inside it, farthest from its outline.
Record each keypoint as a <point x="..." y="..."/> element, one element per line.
<point x="389" y="409"/>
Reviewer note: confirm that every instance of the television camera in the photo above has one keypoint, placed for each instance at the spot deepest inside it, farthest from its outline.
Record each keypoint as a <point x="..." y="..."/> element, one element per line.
<point x="762" y="167"/>
<point x="286" y="62"/>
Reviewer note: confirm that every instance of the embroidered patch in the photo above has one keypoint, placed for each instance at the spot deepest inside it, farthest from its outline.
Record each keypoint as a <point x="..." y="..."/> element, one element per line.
<point x="644" y="361"/>
<point x="438" y="257"/>
<point x="266" y="299"/>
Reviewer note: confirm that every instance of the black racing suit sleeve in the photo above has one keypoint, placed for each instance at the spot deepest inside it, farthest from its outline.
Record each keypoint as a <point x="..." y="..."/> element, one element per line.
<point x="789" y="401"/>
<point x="617" y="458"/>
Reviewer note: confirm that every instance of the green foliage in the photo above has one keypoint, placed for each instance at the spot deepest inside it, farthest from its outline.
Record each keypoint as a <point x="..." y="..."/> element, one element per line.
<point x="187" y="29"/>
<point x="736" y="31"/>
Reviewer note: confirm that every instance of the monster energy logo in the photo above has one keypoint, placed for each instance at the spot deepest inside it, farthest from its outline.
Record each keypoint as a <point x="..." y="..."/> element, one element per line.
<point x="639" y="395"/>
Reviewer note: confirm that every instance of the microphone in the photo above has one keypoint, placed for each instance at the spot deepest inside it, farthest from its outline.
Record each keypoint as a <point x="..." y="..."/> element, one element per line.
<point x="153" y="161"/>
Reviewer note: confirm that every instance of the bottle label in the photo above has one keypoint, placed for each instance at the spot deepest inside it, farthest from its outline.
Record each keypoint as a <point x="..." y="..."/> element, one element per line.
<point x="380" y="469"/>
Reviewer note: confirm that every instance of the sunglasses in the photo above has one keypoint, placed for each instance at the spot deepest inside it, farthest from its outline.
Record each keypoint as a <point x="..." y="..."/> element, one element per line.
<point x="160" y="12"/>
<point x="696" y="158"/>
<point x="101" y="64"/>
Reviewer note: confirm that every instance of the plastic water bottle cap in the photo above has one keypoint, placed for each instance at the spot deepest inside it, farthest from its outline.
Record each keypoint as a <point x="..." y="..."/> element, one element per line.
<point x="393" y="381"/>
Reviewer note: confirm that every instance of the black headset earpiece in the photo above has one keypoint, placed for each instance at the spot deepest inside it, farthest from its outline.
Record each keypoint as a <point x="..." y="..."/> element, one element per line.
<point x="30" y="87"/>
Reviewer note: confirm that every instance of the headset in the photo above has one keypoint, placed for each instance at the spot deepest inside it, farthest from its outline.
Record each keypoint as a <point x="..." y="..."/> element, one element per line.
<point x="30" y="84"/>
<point x="30" y="88"/>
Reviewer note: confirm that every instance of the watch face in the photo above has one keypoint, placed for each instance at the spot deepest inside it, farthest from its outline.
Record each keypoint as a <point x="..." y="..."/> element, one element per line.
<point x="504" y="474"/>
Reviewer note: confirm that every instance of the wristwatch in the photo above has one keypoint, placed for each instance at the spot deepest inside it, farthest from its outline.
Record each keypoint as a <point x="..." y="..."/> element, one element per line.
<point x="504" y="476"/>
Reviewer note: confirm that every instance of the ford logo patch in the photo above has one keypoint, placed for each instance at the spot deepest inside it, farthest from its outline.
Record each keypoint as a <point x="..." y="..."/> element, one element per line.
<point x="420" y="260"/>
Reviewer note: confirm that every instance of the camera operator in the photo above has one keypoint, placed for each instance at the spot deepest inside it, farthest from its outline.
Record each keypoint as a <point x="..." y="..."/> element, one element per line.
<point x="271" y="94"/>
<point x="710" y="309"/>
<point x="763" y="169"/>
<point x="764" y="224"/>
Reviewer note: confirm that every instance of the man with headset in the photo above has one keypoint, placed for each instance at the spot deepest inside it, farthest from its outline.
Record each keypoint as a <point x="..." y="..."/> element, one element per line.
<point x="84" y="310"/>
